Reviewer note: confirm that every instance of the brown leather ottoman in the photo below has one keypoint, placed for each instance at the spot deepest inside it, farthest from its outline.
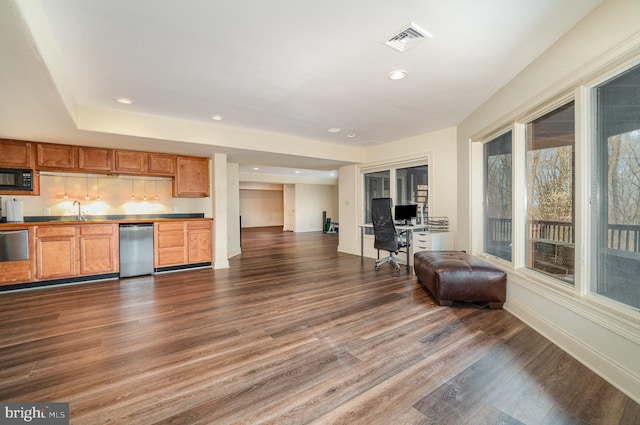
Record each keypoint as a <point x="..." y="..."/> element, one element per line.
<point x="456" y="276"/>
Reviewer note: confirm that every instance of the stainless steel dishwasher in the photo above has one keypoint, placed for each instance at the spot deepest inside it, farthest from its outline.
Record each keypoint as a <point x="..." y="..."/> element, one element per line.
<point x="136" y="249"/>
<point x="14" y="245"/>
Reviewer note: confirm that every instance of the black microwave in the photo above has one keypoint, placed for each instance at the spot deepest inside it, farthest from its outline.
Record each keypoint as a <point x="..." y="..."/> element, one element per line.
<point x="16" y="179"/>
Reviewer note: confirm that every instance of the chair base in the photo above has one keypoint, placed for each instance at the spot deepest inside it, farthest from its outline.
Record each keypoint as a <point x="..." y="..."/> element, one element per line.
<point x="394" y="261"/>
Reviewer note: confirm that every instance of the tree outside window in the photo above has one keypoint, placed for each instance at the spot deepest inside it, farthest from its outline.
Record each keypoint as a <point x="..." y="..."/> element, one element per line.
<point x="550" y="242"/>
<point x="498" y="197"/>
<point x="615" y="249"/>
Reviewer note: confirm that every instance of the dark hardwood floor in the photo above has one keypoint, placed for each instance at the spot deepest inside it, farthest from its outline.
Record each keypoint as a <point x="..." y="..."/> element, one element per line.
<point x="292" y="333"/>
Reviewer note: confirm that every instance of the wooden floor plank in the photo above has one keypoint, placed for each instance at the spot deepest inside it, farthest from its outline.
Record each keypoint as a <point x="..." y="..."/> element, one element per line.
<point x="293" y="333"/>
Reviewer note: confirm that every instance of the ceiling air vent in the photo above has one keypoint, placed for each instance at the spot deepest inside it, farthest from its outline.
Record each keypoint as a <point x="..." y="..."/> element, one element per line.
<point x="407" y="38"/>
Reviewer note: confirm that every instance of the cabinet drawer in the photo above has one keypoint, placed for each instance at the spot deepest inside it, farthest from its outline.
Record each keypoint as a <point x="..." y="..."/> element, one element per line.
<point x="170" y="256"/>
<point x="170" y="239"/>
<point x="170" y="226"/>
<point x="98" y="229"/>
<point x="53" y="231"/>
<point x="197" y="225"/>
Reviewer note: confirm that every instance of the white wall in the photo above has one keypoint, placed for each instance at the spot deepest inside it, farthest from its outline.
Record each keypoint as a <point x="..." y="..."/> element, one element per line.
<point x="602" y="337"/>
<point x="311" y="201"/>
<point x="438" y="146"/>
<point x="260" y="208"/>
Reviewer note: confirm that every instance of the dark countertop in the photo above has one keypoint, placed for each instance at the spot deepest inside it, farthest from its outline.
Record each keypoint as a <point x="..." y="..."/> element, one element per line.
<point x="97" y="219"/>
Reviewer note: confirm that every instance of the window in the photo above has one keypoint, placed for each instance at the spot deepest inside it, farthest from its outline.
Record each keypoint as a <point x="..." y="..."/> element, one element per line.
<point x="615" y="244"/>
<point x="498" y="209"/>
<point x="376" y="185"/>
<point x="550" y="242"/>
<point x="412" y="188"/>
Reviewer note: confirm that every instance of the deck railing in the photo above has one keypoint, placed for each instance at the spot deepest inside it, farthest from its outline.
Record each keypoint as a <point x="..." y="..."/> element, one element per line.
<point x="623" y="237"/>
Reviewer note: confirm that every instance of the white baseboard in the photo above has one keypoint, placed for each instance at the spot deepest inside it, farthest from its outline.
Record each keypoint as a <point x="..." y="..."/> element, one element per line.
<point x="599" y="362"/>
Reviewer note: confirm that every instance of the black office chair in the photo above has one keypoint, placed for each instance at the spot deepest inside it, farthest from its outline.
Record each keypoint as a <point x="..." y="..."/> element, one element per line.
<point x="386" y="237"/>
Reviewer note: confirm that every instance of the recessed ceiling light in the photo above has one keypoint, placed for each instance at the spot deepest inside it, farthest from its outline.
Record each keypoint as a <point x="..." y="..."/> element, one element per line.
<point x="351" y="135"/>
<point x="124" y="100"/>
<point x="216" y="117"/>
<point x="334" y="130"/>
<point x="255" y="168"/>
<point x="398" y="74"/>
<point x="332" y="174"/>
<point x="297" y="171"/>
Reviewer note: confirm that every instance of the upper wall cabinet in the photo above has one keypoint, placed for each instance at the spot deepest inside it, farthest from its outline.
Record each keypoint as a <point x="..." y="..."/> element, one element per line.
<point x="129" y="161"/>
<point x="94" y="159"/>
<point x="52" y="156"/>
<point x="192" y="177"/>
<point x="161" y="164"/>
<point x="16" y="154"/>
<point x="148" y="163"/>
<point x="190" y="173"/>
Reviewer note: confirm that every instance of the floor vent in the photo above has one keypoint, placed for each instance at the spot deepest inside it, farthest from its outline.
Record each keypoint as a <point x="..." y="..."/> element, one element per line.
<point x="407" y="38"/>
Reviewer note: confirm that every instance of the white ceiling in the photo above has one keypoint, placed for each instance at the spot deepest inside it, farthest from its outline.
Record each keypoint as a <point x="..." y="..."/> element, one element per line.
<point x="282" y="71"/>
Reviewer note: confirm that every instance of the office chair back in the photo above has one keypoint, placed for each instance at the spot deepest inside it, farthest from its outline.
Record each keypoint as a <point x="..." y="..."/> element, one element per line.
<point x="383" y="228"/>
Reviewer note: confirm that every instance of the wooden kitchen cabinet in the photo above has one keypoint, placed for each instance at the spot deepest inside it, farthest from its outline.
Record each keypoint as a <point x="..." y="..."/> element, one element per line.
<point x="144" y="163"/>
<point x="161" y="164"/>
<point x="94" y="159"/>
<point x="131" y="162"/>
<point x="56" y="252"/>
<point x="19" y="154"/>
<point x="199" y="241"/>
<point x="76" y="250"/>
<point x="51" y="156"/>
<point x="169" y="244"/>
<point x="192" y="177"/>
<point x="99" y="252"/>
<point x="181" y="243"/>
<point x="16" y="154"/>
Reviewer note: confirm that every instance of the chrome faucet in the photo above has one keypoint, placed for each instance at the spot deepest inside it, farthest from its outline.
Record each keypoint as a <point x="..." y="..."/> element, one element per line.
<point x="80" y="216"/>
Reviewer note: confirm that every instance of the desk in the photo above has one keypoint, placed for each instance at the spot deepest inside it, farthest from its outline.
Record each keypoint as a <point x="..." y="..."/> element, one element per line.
<point x="408" y="230"/>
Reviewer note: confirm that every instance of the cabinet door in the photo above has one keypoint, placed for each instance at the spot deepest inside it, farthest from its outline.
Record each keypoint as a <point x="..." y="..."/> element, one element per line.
<point x="94" y="159"/>
<point x="161" y="164"/>
<point x="170" y="248"/>
<point x="192" y="177"/>
<point x="99" y="249"/>
<point x="56" y="252"/>
<point x="199" y="236"/>
<point x="52" y="156"/>
<point x="16" y="154"/>
<point x="129" y="162"/>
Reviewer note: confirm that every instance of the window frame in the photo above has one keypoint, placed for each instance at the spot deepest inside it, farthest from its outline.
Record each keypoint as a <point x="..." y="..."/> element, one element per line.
<point x="392" y="167"/>
<point x="582" y="93"/>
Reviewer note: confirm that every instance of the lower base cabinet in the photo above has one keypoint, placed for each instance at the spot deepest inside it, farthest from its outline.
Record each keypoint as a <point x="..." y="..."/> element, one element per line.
<point x="99" y="252"/>
<point x="199" y="242"/>
<point x="77" y="250"/>
<point x="431" y="241"/>
<point x="56" y="252"/>
<point x="70" y="251"/>
<point x="182" y="243"/>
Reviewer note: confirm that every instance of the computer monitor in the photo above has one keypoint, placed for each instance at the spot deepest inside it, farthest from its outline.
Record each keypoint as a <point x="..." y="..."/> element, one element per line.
<point x="404" y="213"/>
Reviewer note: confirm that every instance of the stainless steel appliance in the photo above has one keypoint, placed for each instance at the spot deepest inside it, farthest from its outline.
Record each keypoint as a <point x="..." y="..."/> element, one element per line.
<point x="14" y="245"/>
<point x="16" y="179"/>
<point x="136" y="249"/>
